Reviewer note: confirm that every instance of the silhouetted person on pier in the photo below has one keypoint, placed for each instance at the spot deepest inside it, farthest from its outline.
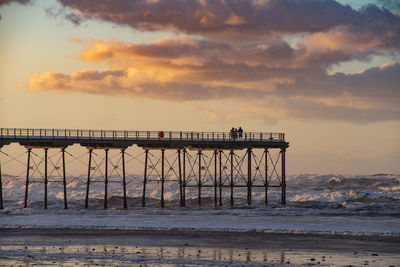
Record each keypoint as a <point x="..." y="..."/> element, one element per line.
<point x="240" y="132"/>
<point x="232" y="133"/>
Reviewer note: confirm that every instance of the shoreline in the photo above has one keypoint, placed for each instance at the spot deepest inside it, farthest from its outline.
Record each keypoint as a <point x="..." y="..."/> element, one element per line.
<point x="89" y="229"/>
<point x="111" y="247"/>
<point x="199" y="238"/>
<point x="235" y="221"/>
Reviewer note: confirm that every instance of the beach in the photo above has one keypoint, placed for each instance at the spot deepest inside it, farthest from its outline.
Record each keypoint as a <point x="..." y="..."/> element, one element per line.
<point x="195" y="237"/>
<point x="85" y="247"/>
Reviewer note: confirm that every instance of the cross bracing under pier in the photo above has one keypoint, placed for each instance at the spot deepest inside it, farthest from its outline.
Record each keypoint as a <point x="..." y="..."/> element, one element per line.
<point x="197" y="164"/>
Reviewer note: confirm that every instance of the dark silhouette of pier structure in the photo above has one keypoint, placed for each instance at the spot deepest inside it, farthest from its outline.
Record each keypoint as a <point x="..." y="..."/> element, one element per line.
<point x="201" y="160"/>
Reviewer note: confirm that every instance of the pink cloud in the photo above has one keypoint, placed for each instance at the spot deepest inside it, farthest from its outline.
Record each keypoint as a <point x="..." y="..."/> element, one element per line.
<point x="250" y="18"/>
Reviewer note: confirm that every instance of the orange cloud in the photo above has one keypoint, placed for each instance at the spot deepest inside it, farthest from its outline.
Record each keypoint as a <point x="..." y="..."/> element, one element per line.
<point x="341" y="38"/>
<point x="183" y="59"/>
<point x="312" y="54"/>
<point x="49" y="81"/>
<point x="131" y="83"/>
<point x="183" y="68"/>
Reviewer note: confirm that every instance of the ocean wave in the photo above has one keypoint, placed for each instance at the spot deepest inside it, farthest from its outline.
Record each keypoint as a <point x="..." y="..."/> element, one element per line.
<point x="377" y="194"/>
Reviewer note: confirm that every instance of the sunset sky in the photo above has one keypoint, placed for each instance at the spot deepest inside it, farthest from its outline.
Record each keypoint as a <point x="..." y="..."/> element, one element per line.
<point x="327" y="73"/>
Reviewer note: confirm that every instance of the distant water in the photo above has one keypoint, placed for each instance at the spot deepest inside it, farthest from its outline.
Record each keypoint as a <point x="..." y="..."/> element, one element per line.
<point x="370" y="195"/>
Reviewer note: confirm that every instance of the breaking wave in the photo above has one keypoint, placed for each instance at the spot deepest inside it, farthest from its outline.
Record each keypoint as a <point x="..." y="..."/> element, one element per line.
<point x="372" y="195"/>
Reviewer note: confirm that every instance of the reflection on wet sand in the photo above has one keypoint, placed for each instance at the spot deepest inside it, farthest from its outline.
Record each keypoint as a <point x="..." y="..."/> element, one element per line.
<point x="116" y="255"/>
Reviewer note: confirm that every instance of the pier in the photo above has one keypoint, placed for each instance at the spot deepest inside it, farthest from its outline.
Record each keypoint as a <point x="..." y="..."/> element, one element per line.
<point x="213" y="161"/>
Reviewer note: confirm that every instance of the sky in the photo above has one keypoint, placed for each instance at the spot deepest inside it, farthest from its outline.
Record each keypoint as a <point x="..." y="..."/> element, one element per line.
<point x="326" y="73"/>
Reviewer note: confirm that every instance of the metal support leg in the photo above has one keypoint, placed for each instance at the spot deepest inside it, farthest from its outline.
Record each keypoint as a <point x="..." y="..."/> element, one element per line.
<point x="106" y="181"/>
<point x="215" y="177"/>
<point x="146" y="153"/>
<point x="45" y="177"/>
<point x="27" y="178"/>
<point x="180" y="179"/>
<point x="124" y="178"/>
<point x="162" y="178"/>
<point x="266" y="176"/>
<point x="231" y="183"/>
<point x="283" y="185"/>
<point x="199" y="181"/>
<point x="249" y="176"/>
<point x="1" y="190"/>
<point x="88" y="179"/>
<point x="184" y="179"/>
<point x="64" y="178"/>
<point x="220" y="178"/>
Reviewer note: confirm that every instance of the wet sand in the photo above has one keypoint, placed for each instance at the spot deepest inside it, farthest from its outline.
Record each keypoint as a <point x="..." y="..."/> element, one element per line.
<point x="86" y="247"/>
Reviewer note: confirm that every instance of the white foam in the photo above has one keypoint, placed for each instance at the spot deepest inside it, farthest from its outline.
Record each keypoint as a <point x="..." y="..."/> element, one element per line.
<point x="314" y="201"/>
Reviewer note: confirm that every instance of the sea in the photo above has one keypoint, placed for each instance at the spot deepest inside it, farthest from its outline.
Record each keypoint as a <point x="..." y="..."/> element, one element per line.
<point x="329" y="205"/>
<point x="332" y="196"/>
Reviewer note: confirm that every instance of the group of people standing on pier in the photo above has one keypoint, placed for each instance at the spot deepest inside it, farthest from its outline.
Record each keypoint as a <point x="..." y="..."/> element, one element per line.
<point x="236" y="133"/>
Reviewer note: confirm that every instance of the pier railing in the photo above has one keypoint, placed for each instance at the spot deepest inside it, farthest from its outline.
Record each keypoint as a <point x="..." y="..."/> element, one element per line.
<point x="20" y="133"/>
<point x="194" y="159"/>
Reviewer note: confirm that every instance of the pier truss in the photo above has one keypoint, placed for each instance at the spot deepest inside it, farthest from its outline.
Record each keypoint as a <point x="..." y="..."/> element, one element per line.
<point x="202" y="167"/>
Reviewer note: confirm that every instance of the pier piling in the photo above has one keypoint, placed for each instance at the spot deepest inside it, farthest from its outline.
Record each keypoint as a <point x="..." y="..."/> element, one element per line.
<point x="283" y="186"/>
<point x="45" y="177"/>
<point x="146" y="157"/>
<point x="266" y="177"/>
<point x="88" y="179"/>
<point x="231" y="184"/>
<point x="64" y="178"/>
<point x="199" y="179"/>
<point x="28" y="166"/>
<point x="180" y="179"/>
<point x="162" y="177"/>
<point x="215" y="178"/>
<point x="249" y="176"/>
<point x="125" y="205"/>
